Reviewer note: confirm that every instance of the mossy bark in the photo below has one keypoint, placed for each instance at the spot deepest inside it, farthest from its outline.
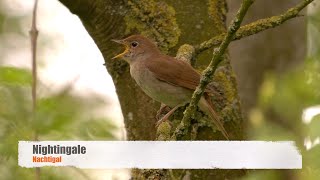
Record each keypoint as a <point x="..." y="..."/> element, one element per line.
<point x="105" y="20"/>
<point x="170" y="23"/>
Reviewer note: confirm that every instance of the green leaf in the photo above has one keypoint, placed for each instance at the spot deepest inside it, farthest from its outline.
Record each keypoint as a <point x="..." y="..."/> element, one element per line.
<point x="314" y="127"/>
<point x="95" y="129"/>
<point x="56" y="112"/>
<point x="15" y="76"/>
<point x="313" y="157"/>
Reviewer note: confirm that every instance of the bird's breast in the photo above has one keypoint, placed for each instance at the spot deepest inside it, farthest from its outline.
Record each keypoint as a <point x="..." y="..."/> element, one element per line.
<point x="158" y="90"/>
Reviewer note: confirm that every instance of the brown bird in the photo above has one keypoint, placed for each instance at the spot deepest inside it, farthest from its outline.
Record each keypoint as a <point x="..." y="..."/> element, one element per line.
<point x="164" y="78"/>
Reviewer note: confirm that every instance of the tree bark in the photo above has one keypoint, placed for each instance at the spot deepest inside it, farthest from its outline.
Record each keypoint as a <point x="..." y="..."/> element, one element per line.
<point x="105" y="20"/>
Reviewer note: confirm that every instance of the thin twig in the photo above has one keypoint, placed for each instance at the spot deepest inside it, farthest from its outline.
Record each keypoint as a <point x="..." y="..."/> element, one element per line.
<point x="255" y="27"/>
<point x="208" y="73"/>
<point x="33" y="36"/>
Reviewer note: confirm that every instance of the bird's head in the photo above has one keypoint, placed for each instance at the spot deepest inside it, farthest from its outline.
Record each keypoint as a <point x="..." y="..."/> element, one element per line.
<point x="136" y="47"/>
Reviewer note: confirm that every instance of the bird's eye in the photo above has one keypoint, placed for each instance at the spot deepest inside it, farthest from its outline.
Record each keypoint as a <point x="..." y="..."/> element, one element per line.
<point x="134" y="44"/>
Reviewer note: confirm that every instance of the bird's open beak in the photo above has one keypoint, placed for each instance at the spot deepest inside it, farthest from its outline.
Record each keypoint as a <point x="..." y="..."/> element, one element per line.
<point x="124" y="52"/>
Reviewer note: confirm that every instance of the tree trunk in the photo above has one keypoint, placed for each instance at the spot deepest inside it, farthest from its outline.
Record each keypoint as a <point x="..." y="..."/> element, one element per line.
<point x="170" y="23"/>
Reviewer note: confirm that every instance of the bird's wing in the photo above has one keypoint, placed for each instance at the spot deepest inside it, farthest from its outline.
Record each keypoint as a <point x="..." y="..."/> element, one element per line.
<point x="174" y="71"/>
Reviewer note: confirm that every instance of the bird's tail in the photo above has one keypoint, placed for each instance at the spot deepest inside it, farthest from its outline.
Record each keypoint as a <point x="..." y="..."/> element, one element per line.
<point x="207" y="107"/>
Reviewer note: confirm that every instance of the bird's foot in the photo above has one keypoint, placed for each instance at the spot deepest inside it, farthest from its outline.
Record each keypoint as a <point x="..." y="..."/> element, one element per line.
<point x="161" y="121"/>
<point x="166" y="117"/>
<point x="164" y="109"/>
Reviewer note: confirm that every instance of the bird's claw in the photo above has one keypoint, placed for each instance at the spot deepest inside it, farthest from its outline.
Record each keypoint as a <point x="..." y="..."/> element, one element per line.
<point x="166" y="117"/>
<point x="162" y="120"/>
<point x="159" y="122"/>
<point x="164" y="109"/>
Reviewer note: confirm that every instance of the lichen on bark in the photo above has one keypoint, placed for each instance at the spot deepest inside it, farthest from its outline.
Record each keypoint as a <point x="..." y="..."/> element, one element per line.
<point x="154" y="19"/>
<point x="217" y="10"/>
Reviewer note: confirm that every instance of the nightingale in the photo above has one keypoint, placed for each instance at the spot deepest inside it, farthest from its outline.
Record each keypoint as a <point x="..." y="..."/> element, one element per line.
<point x="164" y="78"/>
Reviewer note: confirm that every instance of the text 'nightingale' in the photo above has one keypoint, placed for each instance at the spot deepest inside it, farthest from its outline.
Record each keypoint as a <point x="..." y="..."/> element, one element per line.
<point x="164" y="78"/>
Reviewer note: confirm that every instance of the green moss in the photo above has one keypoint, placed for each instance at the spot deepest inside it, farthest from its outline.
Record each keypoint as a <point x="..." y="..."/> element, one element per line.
<point x="229" y="89"/>
<point x="217" y="12"/>
<point x="186" y="53"/>
<point x="163" y="131"/>
<point x="149" y="174"/>
<point x="155" y="20"/>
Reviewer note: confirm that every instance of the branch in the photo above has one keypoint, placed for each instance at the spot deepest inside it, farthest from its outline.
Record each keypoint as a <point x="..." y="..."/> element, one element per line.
<point x="33" y="37"/>
<point x="255" y="27"/>
<point x="208" y="73"/>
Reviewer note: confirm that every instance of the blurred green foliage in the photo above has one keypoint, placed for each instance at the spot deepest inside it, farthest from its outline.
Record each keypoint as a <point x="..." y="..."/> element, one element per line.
<point x="15" y="76"/>
<point x="282" y="102"/>
<point x="60" y="115"/>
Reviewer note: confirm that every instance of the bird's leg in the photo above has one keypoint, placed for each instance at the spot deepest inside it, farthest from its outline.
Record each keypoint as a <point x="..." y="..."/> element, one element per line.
<point x="165" y="117"/>
<point x="164" y="109"/>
